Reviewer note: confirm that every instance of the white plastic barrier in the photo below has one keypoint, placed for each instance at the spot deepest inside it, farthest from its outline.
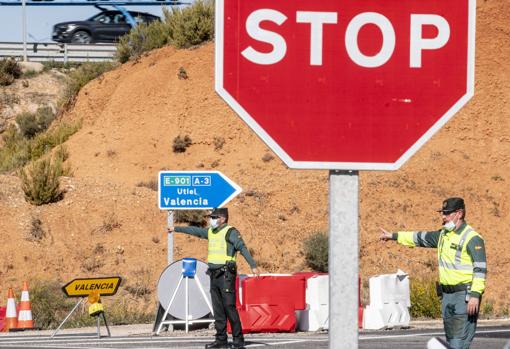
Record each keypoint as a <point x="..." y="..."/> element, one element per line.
<point x="389" y="302"/>
<point x="316" y="315"/>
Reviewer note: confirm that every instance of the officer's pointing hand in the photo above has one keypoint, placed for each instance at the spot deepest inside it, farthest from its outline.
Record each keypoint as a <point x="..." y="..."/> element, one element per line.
<point x="385" y="235"/>
<point x="256" y="271"/>
<point x="170" y="229"/>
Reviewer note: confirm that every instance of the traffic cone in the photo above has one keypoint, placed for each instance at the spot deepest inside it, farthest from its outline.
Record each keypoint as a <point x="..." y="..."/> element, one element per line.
<point x="25" y="311"/>
<point x="11" y="319"/>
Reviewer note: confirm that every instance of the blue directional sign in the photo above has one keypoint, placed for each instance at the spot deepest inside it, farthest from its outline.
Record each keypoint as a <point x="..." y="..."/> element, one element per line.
<point x="187" y="190"/>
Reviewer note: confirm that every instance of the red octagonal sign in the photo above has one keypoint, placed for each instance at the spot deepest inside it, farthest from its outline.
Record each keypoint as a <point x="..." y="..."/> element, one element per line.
<point x="345" y="84"/>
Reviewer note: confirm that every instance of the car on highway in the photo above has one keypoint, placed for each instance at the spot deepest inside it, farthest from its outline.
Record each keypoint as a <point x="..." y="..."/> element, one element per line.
<point x="105" y="26"/>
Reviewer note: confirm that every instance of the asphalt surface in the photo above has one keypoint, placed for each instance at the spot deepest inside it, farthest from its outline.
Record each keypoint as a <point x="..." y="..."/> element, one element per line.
<point x="488" y="337"/>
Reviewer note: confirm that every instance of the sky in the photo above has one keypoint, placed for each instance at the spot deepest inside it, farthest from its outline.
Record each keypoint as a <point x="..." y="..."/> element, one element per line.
<point x="40" y="20"/>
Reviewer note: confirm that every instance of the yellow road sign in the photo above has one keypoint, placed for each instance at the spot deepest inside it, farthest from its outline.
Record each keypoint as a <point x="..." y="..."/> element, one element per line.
<point x="106" y="286"/>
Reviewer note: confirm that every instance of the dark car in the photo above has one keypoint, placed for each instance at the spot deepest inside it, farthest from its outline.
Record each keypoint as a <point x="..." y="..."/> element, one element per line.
<point x="106" y="26"/>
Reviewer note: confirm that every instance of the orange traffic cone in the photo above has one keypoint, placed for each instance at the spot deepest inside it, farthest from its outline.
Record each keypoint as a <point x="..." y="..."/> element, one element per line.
<point x="11" y="319"/>
<point x="25" y="311"/>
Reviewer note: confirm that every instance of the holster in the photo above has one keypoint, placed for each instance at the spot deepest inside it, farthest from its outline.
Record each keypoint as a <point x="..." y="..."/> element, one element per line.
<point x="215" y="273"/>
<point x="232" y="267"/>
<point x="230" y="277"/>
<point x="439" y="290"/>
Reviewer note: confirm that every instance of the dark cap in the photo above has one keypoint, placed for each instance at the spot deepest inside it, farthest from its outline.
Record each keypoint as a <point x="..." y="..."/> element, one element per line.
<point x="220" y="212"/>
<point x="452" y="204"/>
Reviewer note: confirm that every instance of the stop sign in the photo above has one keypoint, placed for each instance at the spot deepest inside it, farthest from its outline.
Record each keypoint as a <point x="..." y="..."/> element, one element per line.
<point x="345" y="84"/>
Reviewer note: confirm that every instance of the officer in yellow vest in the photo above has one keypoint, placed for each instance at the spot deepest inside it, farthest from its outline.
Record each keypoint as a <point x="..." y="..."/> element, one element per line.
<point x="224" y="242"/>
<point x="462" y="269"/>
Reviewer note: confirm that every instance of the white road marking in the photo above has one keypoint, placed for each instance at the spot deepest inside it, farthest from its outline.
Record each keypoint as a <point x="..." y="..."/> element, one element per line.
<point x="90" y="342"/>
<point x="427" y="334"/>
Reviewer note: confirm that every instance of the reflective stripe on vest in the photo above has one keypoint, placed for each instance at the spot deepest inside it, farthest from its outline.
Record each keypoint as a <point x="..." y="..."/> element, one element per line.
<point x="455" y="264"/>
<point x="218" y="247"/>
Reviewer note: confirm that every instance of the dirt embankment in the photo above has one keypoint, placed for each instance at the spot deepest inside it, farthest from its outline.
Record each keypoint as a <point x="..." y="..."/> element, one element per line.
<point x="106" y="224"/>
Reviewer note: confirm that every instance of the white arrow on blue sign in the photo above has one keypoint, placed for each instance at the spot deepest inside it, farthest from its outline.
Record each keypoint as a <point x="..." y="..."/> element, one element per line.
<point x="188" y="190"/>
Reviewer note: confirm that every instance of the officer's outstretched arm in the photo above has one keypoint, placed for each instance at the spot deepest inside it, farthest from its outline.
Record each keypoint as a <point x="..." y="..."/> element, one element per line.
<point x="412" y="238"/>
<point x="191" y="230"/>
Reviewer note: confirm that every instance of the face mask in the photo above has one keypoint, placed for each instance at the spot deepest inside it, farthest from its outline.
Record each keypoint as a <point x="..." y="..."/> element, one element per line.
<point x="213" y="222"/>
<point x="449" y="226"/>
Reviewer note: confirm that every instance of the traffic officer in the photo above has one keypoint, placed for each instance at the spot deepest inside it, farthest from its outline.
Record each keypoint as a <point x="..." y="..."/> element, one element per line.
<point x="224" y="242"/>
<point x="462" y="269"/>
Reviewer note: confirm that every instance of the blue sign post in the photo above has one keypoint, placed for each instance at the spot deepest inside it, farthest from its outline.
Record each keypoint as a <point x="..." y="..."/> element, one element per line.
<point x="187" y="190"/>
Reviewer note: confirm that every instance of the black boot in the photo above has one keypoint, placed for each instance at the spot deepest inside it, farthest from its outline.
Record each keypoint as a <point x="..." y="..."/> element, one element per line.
<point x="238" y="345"/>
<point x="217" y="345"/>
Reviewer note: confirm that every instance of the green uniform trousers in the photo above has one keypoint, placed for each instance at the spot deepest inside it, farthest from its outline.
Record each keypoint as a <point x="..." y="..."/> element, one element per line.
<point x="459" y="328"/>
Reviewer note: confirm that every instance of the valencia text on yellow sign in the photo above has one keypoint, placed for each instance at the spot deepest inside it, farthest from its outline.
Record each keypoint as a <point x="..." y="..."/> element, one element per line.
<point x="106" y="286"/>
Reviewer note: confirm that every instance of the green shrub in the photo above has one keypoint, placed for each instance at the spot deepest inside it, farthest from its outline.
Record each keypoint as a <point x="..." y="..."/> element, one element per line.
<point x="9" y="71"/>
<point x="81" y="76"/>
<point x="36" y="232"/>
<point x="144" y="37"/>
<point x="61" y="66"/>
<point x="44" y="142"/>
<point x="181" y="27"/>
<point x="316" y="251"/>
<point x="27" y="123"/>
<point x="487" y="307"/>
<point x="120" y="312"/>
<point x="15" y="152"/>
<point x="62" y="154"/>
<point x="31" y="124"/>
<point x="151" y="184"/>
<point x="41" y="182"/>
<point x="141" y="285"/>
<point x="18" y="151"/>
<point x="181" y="144"/>
<point x="424" y="300"/>
<point x="191" y="25"/>
<point x="49" y="304"/>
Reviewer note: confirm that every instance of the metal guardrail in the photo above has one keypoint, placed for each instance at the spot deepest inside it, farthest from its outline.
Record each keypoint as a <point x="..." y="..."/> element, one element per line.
<point x="41" y="52"/>
<point x="94" y="2"/>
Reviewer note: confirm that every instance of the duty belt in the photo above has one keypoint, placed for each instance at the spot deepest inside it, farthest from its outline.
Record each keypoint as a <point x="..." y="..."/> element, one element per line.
<point x="455" y="288"/>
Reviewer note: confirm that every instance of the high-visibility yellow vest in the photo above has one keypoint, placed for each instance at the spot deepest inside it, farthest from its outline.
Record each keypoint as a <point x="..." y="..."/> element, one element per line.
<point x="455" y="264"/>
<point x="218" y="247"/>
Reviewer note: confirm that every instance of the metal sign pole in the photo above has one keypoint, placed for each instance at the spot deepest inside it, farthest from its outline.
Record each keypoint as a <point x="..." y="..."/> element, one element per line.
<point x="186" y="299"/>
<point x="170" y="243"/>
<point x="343" y="259"/>
<point x="24" y="28"/>
<point x="67" y="317"/>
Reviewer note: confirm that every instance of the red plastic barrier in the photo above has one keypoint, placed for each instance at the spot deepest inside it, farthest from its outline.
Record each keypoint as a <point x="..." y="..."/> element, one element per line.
<point x="360" y="307"/>
<point x="360" y="317"/>
<point x="273" y="290"/>
<point x="257" y="318"/>
<point x="2" y="318"/>
<point x="308" y="274"/>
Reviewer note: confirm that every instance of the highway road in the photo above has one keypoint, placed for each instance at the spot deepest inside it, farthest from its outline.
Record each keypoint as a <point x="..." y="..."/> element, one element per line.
<point x="494" y="337"/>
